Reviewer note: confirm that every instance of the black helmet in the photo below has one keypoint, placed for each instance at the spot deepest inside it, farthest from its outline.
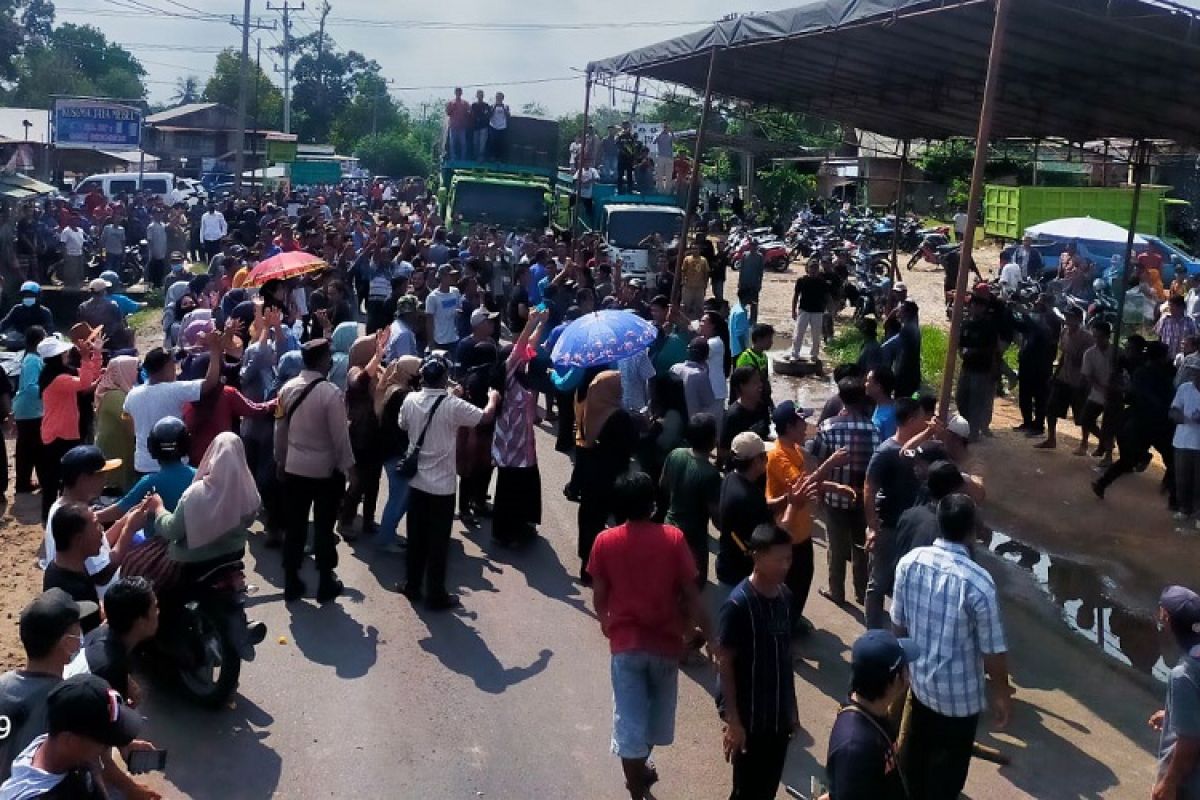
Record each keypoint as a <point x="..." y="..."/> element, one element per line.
<point x="168" y="440"/>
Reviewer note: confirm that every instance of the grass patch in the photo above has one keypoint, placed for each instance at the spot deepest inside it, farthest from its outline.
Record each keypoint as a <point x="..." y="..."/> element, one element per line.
<point x="146" y="318"/>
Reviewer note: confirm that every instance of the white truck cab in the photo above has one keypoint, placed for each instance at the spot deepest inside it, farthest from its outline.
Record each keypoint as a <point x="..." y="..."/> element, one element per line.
<point x="625" y="226"/>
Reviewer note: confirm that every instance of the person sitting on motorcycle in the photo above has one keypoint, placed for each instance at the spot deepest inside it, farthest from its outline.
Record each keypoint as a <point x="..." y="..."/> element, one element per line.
<point x="1075" y="271"/>
<point x="209" y="526"/>
<point x="27" y="313"/>
<point x="117" y="295"/>
<point x="169" y="442"/>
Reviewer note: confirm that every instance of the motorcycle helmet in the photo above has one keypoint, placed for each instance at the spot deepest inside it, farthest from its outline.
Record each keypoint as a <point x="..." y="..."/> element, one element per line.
<point x="169" y="440"/>
<point x="113" y="278"/>
<point x="1099" y="286"/>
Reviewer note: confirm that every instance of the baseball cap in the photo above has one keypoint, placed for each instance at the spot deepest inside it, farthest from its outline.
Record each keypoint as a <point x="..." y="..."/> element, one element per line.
<point x="959" y="426"/>
<point x="31" y="287"/>
<point x="747" y="445"/>
<point x="878" y="655"/>
<point x="48" y="617"/>
<point x="87" y="706"/>
<point x="1183" y="610"/>
<point x="86" y="459"/>
<point x="482" y="315"/>
<point x="53" y="346"/>
<point x="788" y="412"/>
<point x="99" y="285"/>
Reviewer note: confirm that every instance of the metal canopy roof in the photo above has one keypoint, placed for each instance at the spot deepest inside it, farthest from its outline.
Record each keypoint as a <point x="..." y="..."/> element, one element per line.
<point x="1079" y="69"/>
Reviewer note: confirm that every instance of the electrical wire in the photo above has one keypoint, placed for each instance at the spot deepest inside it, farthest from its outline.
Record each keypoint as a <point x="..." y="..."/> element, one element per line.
<point x="473" y="84"/>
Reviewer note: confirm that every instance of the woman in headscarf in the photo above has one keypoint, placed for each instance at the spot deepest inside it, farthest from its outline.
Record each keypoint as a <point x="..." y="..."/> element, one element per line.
<point x="606" y="440"/>
<point x="340" y="342"/>
<point x="208" y="527"/>
<point x="390" y="390"/>
<point x="365" y="359"/>
<point x="518" y="509"/>
<point x="114" y="430"/>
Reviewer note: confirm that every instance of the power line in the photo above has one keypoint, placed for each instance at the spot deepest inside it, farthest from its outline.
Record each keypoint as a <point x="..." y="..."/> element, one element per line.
<point x="475" y="85"/>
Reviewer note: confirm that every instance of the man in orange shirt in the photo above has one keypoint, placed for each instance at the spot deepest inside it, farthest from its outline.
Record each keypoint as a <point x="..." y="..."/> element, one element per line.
<point x="786" y="467"/>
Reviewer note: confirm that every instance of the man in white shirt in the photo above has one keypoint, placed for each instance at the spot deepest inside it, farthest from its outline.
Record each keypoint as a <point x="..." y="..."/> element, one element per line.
<point x="72" y="241"/>
<point x="156" y="243"/>
<point x="441" y="310"/>
<point x="213" y="229"/>
<point x="664" y="157"/>
<point x="1185" y="413"/>
<point x="164" y="396"/>
<point x="435" y="416"/>
<point x="1010" y="279"/>
<point x="960" y="225"/>
<point x="497" y="139"/>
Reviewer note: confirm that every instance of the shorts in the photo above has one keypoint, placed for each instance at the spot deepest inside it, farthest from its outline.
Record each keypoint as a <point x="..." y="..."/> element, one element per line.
<point x="1090" y="415"/>
<point x="645" y="691"/>
<point x="1063" y="398"/>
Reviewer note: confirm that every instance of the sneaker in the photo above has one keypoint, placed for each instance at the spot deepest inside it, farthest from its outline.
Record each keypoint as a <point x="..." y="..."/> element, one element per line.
<point x="393" y="546"/>
<point x="293" y="588"/>
<point x="1024" y="427"/>
<point x="329" y="587"/>
<point x="1098" y="488"/>
<point x="411" y="592"/>
<point x="443" y="602"/>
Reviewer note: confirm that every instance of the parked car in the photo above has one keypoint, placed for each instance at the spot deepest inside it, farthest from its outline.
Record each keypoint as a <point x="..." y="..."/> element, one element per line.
<point x="1101" y="253"/>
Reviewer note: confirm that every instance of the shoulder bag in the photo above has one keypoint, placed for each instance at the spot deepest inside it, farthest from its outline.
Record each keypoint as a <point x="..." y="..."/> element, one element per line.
<point x="408" y="465"/>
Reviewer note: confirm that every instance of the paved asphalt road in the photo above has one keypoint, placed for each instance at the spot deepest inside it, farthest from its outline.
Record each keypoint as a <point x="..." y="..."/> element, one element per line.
<point x="510" y="698"/>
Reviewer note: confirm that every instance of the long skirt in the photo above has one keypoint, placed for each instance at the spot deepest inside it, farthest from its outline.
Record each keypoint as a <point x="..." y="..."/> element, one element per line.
<point x="518" y="507"/>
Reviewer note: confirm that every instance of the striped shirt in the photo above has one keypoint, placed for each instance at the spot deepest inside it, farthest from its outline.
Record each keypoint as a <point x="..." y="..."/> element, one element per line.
<point x="758" y="630"/>
<point x="948" y="604"/>
<point x="857" y="434"/>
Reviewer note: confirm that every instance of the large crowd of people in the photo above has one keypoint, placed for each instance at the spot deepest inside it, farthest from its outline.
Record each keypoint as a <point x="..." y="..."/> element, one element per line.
<point x="417" y="355"/>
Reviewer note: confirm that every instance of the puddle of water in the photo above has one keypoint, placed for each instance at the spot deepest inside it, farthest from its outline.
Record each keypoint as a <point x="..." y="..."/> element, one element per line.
<point x="1084" y="597"/>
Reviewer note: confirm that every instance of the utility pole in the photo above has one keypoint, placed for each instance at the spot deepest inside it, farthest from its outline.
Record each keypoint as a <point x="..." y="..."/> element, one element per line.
<point x="286" y="9"/>
<point x="325" y="9"/>
<point x="245" y="25"/>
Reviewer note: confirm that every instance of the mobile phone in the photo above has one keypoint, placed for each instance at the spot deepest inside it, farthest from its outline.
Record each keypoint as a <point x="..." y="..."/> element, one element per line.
<point x="142" y="761"/>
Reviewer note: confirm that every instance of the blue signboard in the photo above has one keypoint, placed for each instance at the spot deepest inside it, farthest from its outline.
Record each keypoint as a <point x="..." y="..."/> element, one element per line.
<point x="97" y="124"/>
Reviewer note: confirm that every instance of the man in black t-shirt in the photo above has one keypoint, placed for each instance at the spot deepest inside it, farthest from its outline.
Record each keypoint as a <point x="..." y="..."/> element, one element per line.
<point x="131" y="617"/>
<point x="863" y="762"/>
<point x="757" y="695"/>
<point x="977" y="345"/>
<point x="77" y="535"/>
<point x="810" y="300"/>
<point x="919" y="526"/>
<point x="747" y="413"/>
<point x="742" y="508"/>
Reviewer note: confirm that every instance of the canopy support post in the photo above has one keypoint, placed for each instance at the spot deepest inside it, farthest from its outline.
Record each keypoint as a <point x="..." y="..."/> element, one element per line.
<point x="576" y="238"/>
<point x="689" y="208"/>
<point x="986" y="110"/>
<point x="1141" y="153"/>
<point x="895" y="263"/>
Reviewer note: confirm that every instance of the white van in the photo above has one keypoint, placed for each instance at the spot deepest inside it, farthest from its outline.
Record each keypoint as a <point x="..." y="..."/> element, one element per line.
<point x="115" y="184"/>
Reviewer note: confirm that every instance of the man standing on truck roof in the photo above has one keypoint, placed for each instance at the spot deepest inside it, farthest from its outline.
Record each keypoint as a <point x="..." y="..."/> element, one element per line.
<point x="609" y="150"/>
<point x="458" y="118"/>
<point x="664" y="158"/>
<point x="481" y="117"/>
<point x="627" y="150"/>
<point x="498" y="128"/>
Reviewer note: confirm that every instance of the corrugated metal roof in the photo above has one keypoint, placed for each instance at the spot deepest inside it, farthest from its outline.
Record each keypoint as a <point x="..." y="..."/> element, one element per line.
<point x="179" y="111"/>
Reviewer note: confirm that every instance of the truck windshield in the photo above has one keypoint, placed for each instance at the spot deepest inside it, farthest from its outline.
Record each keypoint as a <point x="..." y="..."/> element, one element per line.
<point x="627" y="229"/>
<point x="500" y="204"/>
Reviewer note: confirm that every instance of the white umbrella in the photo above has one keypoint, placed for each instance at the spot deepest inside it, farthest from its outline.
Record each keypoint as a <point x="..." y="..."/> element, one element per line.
<point x="1085" y="228"/>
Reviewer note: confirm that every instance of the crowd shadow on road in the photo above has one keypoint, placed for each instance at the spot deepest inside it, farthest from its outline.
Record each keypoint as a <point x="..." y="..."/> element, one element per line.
<point x="328" y="635"/>
<point x="543" y="571"/>
<point x="220" y="754"/>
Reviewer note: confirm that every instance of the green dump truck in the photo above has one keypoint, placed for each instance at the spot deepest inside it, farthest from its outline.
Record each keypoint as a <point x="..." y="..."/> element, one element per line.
<point x="1009" y="210"/>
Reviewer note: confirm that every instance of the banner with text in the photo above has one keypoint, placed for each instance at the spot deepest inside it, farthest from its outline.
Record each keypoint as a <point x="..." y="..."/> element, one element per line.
<point x="97" y="125"/>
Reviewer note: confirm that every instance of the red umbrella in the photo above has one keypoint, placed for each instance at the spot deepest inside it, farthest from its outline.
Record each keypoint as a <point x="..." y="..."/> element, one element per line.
<point x="283" y="266"/>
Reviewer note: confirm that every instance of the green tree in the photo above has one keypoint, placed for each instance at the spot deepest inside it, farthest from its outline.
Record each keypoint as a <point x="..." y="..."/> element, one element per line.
<point x="225" y="83"/>
<point x="534" y="109"/>
<point x="326" y="82"/>
<point x="570" y="126"/>
<point x="187" y="90"/>
<point x="77" y="59"/>
<point x="398" y="153"/>
<point x="371" y="111"/>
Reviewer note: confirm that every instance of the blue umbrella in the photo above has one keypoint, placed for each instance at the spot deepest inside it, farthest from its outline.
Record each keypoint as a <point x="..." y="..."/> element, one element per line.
<point x="602" y="338"/>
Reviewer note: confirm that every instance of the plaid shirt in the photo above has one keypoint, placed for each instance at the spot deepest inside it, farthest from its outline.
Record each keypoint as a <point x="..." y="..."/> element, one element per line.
<point x="1172" y="330"/>
<point x="857" y="434"/>
<point x="948" y="604"/>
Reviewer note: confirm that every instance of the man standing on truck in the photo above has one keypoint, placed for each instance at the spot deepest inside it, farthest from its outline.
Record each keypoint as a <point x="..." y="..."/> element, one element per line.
<point x="481" y="116"/>
<point x="498" y="128"/>
<point x="609" y="153"/>
<point x="627" y="151"/>
<point x="664" y="158"/>
<point x="458" y="118"/>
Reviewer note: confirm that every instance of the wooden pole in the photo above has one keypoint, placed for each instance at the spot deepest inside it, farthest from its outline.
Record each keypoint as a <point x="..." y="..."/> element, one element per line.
<point x="986" y="110"/>
<point x="689" y="209"/>
<point x="894" y="268"/>
<point x="579" y="166"/>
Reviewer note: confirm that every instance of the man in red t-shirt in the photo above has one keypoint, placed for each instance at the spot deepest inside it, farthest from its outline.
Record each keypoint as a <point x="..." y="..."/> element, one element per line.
<point x="458" y="117"/>
<point x="640" y="573"/>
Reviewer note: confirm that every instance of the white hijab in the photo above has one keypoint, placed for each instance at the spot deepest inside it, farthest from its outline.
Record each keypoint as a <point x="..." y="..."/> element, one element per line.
<point x="222" y="494"/>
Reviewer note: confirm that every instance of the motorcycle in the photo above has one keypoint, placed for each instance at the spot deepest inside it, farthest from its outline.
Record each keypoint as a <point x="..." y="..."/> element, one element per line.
<point x="202" y="643"/>
<point x="132" y="266"/>
<point x="931" y="249"/>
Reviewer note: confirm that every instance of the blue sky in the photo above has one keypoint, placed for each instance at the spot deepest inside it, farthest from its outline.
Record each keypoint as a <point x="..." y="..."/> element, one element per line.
<point x="412" y="56"/>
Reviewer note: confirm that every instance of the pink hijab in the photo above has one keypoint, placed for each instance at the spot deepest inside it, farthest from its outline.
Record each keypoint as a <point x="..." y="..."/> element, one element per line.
<point x="121" y="373"/>
<point x="223" y="493"/>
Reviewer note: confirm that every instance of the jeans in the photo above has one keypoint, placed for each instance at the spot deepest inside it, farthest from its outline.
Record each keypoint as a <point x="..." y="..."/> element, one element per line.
<point x="847" y="531"/>
<point x="322" y="496"/>
<point x="937" y="755"/>
<point x="975" y="398"/>
<point x="397" y="502"/>
<point x="28" y="453"/>
<point x="758" y="770"/>
<point x="608" y="168"/>
<point x="645" y="692"/>
<point x="718" y="288"/>
<point x="1133" y="444"/>
<point x="367" y="491"/>
<point x="498" y="143"/>
<point x="1033" y="389"/>
<point x="430" y="517"/>
<point x="799" y="577"/>
<point x="481" y="138"/>
<point x="806" y="321"/>
<point x="625" y="179"/>
<point x="458" y="144"/>
<point x="113" y="261"/>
